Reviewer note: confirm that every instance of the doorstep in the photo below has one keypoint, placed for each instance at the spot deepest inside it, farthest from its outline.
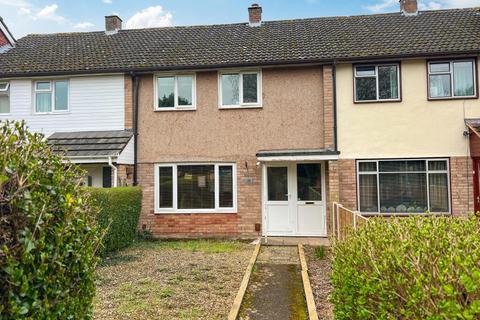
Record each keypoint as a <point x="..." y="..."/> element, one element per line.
<point x="294" y="241"/>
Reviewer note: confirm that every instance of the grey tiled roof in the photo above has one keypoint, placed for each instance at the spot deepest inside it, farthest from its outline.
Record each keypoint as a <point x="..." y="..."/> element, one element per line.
<point x="429" y="33"/>
<point x="90" y="143"/>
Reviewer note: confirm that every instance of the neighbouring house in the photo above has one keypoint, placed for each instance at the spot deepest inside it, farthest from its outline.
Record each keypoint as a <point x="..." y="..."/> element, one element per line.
<point x="7" y="41"/>
<point x="256" y="128"/>
<point x="86" y="115"/>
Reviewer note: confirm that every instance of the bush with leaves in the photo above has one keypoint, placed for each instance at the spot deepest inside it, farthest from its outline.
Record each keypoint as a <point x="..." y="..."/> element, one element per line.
<point x="48" y="234"/>
<point x="409" y="268"/>
<point x="119" y="213"/>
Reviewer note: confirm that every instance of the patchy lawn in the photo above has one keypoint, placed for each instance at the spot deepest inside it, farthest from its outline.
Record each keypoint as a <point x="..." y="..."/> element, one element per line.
<point x="171" y="280"/>
<point x="320" y="270"/>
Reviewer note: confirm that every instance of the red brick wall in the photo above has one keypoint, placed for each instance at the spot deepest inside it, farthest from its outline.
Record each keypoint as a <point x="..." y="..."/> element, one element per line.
<point x="461" y="182"/>
<point x="474" y="145"/>
<point x="231" y="225"/>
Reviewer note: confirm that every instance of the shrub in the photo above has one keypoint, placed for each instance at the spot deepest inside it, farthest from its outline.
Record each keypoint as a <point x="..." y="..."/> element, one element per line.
<point x="119" y="212"/>
<point x="410" y="268"/>
<point x="48" y="234"/>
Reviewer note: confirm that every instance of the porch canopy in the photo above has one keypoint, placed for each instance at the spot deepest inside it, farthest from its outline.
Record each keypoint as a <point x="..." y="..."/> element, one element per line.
<point x="297" y="155"/>
<point x="94" y="146"/>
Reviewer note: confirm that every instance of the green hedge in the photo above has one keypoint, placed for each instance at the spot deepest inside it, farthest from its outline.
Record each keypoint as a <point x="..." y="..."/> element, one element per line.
<point x="119" y="212"/>
<point x="409" y="268"/>
<point x="48" y="234"/>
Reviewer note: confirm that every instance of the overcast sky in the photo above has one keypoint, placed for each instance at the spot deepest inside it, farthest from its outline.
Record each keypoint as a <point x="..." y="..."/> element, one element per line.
<point x="45" y="16"/>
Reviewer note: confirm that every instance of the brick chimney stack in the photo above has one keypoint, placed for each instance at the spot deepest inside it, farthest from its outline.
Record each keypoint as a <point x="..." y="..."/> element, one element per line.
<point x="113" y="23"/>
<point x="255" y="15"/>
<point x="409" y="7"/>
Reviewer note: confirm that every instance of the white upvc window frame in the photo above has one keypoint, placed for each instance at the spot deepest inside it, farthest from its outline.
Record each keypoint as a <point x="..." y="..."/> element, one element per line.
<point x="176" y="107"/>
<point x="52" y="92"/>
<point x="174" y="209"/>
<point x="451" y="73"/>
<point x="6" y="92"/>
<point x="241" y="104"/>
<point x="355" y="76"/>
<point x="427" y="172"/>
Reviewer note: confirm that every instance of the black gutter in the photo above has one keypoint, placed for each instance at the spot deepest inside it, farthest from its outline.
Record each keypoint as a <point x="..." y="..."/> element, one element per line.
<point x="334" y="81"/>
<point x="135" y="127"/>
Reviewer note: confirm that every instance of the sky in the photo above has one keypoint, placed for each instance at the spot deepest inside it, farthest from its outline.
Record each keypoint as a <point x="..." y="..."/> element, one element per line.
<point x="46" y="16"/>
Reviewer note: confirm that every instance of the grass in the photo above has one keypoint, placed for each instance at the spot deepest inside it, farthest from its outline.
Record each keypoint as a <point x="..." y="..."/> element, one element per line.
<point x="194" y="279"/>
<point x="319" y="253"/>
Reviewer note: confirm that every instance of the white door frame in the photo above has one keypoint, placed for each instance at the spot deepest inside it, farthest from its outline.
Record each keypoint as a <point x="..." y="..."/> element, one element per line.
<point x="292" y="182"/>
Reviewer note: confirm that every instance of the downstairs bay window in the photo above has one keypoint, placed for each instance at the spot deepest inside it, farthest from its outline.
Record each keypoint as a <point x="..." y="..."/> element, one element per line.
<point x="403" y="186"/>
<point x="195" y="188"/>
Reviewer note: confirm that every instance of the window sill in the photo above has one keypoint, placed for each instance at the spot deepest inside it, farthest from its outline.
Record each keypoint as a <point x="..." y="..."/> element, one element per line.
<point x="199" y="211"/>
<point x="377" y="101"/>
<point x="175" y="109"/>
<point x="256" y="106"/>
<point x="51" y="113"/>
<point x="405" y="214"/>
<point x="453" y="98"/>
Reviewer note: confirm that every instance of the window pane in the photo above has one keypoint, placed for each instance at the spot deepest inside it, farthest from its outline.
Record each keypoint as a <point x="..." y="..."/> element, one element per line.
<point x="250" y="88"/>
<point x="438" y="192"/>
<point x="166" y="92"/>
<point x="277" y="183"/>
<point x="4" y="103"/>
<point x="309" y="182"/>
<point x="43" y="85"/>
<point x="403" y="192"/>
<point x="437" y="165"/>
<point x="388" y="82"/>
<point x="43" y="102"/>
<point x="365" y="71"/>
<point x="368" y="193"/>
<point x="166" y="187"/>
<point x="225" y="176"/>
<point x="402" y="165"/>
<point x="3" y="86"/>
<point x="367" y="166"/>
<point x="440" y="86"/>
<point x="185" y="90"/>
<point x="230" y="89"/>
<point x="366" y="89"/>
<point x="61" y="95"/>
<point x="463" y="78"/>
<point x="196" y="187"/>
<point x="440" y="67"/>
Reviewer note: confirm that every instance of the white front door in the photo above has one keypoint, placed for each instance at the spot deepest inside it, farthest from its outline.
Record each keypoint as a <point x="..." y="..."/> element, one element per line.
<point x="294" y="199"/>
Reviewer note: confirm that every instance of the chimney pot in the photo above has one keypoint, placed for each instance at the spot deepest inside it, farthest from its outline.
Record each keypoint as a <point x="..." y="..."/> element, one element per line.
<point x="409" y="7"/>
<point x="255" y="15"/>
<point x="113" y="23"/>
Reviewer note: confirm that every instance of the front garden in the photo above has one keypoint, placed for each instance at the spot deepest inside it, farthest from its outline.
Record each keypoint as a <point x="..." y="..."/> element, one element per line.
<point x="195" y="279"/>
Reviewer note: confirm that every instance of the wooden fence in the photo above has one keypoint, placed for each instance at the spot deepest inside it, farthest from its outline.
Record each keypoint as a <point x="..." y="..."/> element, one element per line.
<point x="344" y="219"/>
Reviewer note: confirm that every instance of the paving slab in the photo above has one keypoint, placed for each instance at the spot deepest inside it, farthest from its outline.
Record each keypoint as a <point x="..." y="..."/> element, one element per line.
<point x="275" y="291"/>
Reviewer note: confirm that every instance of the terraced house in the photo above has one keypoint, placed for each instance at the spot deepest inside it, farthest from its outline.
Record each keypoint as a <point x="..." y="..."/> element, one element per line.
<point x="256" y="128"/>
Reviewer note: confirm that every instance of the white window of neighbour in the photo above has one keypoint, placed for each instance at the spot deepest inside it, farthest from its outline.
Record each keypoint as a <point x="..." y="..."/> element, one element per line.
<point x="403" y="186"/>
<point x="451" y="79"/>
<point x="240" y="89"/>
<point x="186" y="188"/>
<point x="175" y="92"/>
<point x="51" y="96"/>
<point x="4" y="97"/>
<point x="377" y="83"/>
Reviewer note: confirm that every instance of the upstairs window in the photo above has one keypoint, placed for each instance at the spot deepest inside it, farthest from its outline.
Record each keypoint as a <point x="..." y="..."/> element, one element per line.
<point x="175" y="92"/>
<point x="451" y="79"/>
<point x="51" y="96"/>
<point x="4" y="97"/>
<point x="377" y="83"/>
<point x="240" y="89"/>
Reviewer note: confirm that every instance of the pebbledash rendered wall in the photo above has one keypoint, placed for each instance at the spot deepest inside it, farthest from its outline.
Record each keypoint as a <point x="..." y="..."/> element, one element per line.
<point x="292" y="117"/>
<point x="412" y="128"/>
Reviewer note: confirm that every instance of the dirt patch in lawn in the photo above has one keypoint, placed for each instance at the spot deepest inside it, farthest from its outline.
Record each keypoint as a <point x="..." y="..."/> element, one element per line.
<point x="320" y="270"/>
<point x="171" y="280"/>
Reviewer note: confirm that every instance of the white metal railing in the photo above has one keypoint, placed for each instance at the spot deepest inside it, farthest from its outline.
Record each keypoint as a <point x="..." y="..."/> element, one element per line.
<point x="343" y="219"/>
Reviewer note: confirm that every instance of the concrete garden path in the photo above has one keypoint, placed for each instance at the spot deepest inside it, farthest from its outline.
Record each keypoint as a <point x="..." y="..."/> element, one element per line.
<point x="275" y="290"/>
